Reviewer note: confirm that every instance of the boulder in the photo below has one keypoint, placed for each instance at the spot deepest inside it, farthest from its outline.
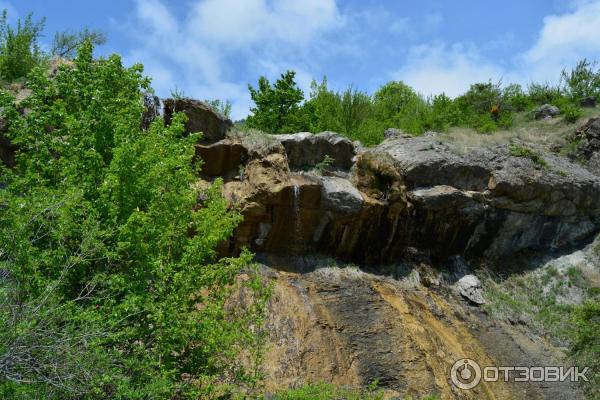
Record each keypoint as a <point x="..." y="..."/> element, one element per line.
<point x="588" y="102"/>
<point x="340" y="197"/>
<point x="546" y="111"/>
<point x="589" y="138"/>
<point x="305" y="150"/>
<point x="201" y="118"/>
<point x="469" y="287"/>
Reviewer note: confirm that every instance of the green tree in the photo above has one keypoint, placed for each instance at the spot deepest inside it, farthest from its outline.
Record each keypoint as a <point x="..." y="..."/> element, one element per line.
<point x="277" y="107"/>
<point x="19" y="49"/>
<point x="581" y="81"/>
<point x="65" y="44"/>
<point x="101" y="227"/>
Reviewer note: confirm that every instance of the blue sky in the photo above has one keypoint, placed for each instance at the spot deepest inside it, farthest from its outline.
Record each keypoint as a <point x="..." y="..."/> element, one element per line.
<point x="214" y="48"/>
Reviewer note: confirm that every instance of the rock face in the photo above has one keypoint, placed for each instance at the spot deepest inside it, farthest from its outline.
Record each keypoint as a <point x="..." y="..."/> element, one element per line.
<point x="305" y="149"/>
<point x="407" y="193"/>
<point x="546" y="111"/>
<point x="201" y="118"/>
<point x="348" y="328"/>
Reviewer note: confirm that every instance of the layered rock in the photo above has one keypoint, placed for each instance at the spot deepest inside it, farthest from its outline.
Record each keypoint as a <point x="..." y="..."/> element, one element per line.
<point x="405" y="193"/>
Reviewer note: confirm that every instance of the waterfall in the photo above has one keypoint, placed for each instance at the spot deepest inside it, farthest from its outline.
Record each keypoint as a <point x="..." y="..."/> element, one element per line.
<point x="296" y="237"/>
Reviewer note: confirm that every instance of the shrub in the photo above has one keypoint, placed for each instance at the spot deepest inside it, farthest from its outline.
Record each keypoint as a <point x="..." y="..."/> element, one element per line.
<point x="571" y="113"/>
<point x="105" y="216"/>
<point x="581" y="81"/>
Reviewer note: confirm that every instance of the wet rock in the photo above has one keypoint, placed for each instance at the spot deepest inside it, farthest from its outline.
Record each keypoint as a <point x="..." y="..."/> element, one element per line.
<point x="201" y="118"/>
<point x="305" y="150"/>
<point x="469" y="286"/>
<point x="546" y="111"/>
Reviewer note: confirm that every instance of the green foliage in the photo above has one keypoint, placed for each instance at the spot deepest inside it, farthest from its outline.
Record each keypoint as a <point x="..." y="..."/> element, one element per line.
<point x="19" y="50"/>
<point x="537" y="296"/>
<point x="277" y="107"/>
<point x="220" y="106"/>
<point x="581" y="81"/>
<point x="324" y="165"/>
<point x="102" y="228"/>
<point x="323" y="391"/>
<point x="65" y="44"/>
<point x="585" y="341"/>
<point x="572" y="113"/>
<point x="517" y="150"/>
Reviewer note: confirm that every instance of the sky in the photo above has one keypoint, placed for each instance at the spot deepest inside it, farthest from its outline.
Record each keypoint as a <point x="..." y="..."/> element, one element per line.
<point x="211" y="49"/>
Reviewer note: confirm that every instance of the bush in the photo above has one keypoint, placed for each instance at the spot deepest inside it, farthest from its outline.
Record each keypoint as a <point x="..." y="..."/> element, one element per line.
<point x="581" y="81"/>
<point x="571" y="113"/>
<point x="105" y="216"/>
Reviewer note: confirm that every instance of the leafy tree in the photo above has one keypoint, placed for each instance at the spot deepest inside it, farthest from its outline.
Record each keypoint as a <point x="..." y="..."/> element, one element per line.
<point x="66" y="43"/>
<point x="105" y="243"/>
<point x="19" y="49"/>
<point x="277" y="107"/>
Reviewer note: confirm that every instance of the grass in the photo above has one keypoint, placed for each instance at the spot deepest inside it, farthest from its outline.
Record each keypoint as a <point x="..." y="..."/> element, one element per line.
<point x="325" y="391"/>
<point x="517" y="150"/>
<point x="544" y="133"/>
<point x="562" y="303"/>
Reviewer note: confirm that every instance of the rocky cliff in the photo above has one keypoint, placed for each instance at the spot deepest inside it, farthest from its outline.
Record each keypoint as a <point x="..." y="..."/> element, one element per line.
<point x="416" y="214"/>
<point x="370" y="206"/>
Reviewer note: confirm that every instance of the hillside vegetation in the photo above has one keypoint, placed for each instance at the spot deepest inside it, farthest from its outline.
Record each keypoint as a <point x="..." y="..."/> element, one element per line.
<point x="111" y="284"/>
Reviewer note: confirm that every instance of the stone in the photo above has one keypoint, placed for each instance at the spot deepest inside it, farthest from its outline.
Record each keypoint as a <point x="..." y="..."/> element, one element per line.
<point x="305" y="150"/>
<point x="223" y="158"/>
<point x="546" y="111"/>
<point x="340" y="197"/>
<point x="588" y="102"/>
<point x="470" y="287"/>
<point x="391" y="133"/>
<point x="201" y="118"/>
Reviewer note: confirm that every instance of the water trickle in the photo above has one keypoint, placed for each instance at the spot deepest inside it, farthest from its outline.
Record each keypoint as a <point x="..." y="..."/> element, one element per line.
<point x="296" y="237"/>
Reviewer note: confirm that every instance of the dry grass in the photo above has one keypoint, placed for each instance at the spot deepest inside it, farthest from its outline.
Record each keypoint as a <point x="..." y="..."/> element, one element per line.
<point x="544" y="133"/>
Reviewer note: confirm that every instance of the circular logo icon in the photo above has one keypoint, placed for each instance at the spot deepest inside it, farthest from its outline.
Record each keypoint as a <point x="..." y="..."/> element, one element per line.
<point x="465" y="374"/>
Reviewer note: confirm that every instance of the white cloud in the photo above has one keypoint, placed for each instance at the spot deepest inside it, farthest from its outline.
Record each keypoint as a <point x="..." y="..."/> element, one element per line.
<point x="565" y="39"/>
<point x="196" y="52"/>
<point x="437" y="68"/>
